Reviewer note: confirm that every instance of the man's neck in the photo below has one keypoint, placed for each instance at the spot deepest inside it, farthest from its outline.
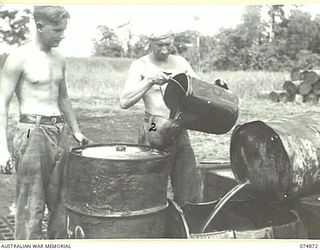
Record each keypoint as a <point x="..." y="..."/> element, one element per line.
<point x="41" y="46"/>
<point x="156" y="60"/>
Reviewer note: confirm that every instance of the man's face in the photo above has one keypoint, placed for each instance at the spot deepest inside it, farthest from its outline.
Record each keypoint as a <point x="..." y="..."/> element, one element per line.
<point x="52" y="33"/>
<point x="161" y="47"/>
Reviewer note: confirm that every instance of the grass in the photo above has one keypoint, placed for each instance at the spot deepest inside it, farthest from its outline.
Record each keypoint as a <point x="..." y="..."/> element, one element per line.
<point x="96" y="77"/>
<point x="103" y="77"/>
<point x="249" y="84"/>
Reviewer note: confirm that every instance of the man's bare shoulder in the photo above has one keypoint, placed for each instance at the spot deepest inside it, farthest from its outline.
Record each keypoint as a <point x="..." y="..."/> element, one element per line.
<point x="18" y="56"/>
<point x="58" y="55"/>
<point x="142" y="61"/>
<point x="59" y="58"/>
<point x="178" y="59"/>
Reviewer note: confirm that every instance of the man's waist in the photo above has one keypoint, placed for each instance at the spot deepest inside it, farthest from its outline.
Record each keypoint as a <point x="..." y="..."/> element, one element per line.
<point x="41" y="119"/>
<point x="147" y="115"/>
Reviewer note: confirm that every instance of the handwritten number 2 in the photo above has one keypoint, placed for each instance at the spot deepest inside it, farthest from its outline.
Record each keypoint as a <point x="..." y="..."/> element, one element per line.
<point x="153" y="127"/>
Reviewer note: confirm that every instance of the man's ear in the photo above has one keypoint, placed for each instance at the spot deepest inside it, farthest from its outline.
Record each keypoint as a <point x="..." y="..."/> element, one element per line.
<point x="39" y="26"/>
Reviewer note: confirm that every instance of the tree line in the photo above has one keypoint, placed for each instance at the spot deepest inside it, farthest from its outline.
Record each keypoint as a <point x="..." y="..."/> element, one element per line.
<point x="282" y="42"/>
<point x="285" y="40"/>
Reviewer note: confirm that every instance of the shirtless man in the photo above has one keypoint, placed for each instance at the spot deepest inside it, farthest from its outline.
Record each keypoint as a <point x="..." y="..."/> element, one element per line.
<point x="146" y="75"/>
<point x="36" y="74"/>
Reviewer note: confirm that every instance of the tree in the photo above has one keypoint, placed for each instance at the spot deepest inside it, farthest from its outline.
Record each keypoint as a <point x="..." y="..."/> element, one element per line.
<point x="302" y="31"/>
<point x="274" y="12"/>
<point x="315" y="45"/>
<point x="238" y="48"/>
<point x="252" y="28"/>
<point x="107" y="44"/>
<point x="141" y="47"/>
<point x="208" y="46"/>
<point x="185" y="44"/>
<point x="229" y="43"/>
<point x="14" y="25"/>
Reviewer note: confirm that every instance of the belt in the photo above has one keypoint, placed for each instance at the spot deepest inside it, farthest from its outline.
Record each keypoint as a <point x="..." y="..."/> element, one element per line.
<point x="39" y="119"/>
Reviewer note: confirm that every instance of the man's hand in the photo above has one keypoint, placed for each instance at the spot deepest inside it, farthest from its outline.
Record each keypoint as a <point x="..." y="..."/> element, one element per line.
<point x="6" y="164"/>
<point x="221" y="83"/>
<point x="81" y="139"/>
<point x="159" y="77"/>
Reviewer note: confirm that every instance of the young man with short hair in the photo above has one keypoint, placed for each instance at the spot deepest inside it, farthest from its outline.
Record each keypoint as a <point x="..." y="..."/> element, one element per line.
<point x="35" y="72"/>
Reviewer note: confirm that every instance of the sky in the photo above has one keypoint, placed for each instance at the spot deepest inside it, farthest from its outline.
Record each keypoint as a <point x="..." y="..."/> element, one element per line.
<point x="145" y="19"/>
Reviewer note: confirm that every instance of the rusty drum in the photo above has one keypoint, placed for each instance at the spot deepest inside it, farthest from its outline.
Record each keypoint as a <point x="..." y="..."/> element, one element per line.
<point x="116" y="191"/>
<point x="201" y="106"/>
<point x="280" y="158"/>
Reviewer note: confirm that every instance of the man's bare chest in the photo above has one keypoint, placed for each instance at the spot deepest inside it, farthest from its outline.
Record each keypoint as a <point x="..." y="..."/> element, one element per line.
<point x="39" y="71"/>
<point x="171" y="69"/>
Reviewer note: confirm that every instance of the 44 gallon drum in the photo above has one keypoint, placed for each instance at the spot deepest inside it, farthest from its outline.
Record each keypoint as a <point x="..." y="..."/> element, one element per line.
<point x="280" y="158"/>
<point x="116" y="191"/>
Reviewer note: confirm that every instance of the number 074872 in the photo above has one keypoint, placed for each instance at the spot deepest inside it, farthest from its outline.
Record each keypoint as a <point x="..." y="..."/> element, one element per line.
<point x="308" y="246"/>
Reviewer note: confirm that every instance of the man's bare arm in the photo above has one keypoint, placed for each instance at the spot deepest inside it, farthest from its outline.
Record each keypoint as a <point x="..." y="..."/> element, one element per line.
<point x="135" y="87"/>
<point x="66" y="108"/>
<point x="9" y="79"/>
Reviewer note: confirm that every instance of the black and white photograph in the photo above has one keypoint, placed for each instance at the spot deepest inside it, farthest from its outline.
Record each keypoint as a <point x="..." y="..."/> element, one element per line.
<point x="182" y="121"/>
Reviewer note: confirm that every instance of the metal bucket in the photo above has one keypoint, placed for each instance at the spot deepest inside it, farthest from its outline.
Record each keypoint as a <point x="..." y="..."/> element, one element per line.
<point x="247" y="219"/>
<point x="116" y="191"/>
<point x="280" y="158"/>
<point x="201" y="106"/>
<point x="164" y="133"/>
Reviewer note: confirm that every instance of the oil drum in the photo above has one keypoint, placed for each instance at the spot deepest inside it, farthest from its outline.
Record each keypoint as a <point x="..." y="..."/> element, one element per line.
<point x="116" y="191"/>
<point x="199" y="105"/>
<point x="280" y="158"/>
<point x="241" y="219"/>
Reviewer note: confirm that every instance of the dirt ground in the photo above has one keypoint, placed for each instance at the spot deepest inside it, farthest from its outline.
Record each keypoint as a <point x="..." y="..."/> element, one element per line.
<point x="100" y="123"/>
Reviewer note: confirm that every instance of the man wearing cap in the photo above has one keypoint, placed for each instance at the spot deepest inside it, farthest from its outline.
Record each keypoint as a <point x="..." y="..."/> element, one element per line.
<point x="147" y="79"/>
<point x="35" y="72"/>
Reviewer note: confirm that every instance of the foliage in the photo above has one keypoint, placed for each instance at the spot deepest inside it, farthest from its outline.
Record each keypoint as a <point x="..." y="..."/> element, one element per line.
<point x="14" y="25"/>
<point x="107" y="44"/>
<point x="141" y="47"/>
<point x="293" y="41"/>
<point x="186" y="44"/>
<point x="284" y="40"/>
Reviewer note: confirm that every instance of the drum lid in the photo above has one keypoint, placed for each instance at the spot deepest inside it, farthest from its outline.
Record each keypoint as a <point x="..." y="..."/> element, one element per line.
<point x="118" y="152"/>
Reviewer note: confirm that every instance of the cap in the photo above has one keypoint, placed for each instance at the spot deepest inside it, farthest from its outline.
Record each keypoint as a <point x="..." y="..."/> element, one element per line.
<point x="158" y="35"/>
